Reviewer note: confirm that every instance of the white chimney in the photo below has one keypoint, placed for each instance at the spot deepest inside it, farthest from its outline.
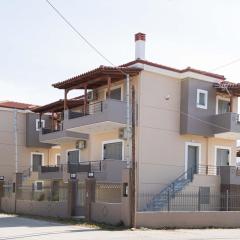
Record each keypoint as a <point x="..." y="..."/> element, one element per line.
<point x="140" y="46"/>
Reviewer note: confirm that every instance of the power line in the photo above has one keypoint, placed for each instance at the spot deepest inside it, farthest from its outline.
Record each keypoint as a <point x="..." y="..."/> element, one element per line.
<point x="106" y="59"/>
<point x="226" y="65"/>
<point x="81" y="35"/>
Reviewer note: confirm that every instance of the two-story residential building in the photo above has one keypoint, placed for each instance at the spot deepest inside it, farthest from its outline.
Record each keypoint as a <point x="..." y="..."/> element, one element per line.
<point x="21" y="151"/>
<point x="184" y="125"/>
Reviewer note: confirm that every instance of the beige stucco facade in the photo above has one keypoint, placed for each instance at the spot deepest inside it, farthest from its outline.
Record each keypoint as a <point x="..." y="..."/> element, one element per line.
<point x="12" y="150"/>
<point x="162" y="150"/>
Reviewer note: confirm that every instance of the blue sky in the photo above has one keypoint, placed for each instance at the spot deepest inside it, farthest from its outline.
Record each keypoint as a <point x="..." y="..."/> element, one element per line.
<point x="38" y="49"/>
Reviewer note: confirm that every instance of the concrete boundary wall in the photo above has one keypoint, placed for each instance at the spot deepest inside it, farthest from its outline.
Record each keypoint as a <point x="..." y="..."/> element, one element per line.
<point x="109" y="213"/>
<point x="188" y="219"/>
<point x="43" y="208"/>
<point x="8" y="204"/>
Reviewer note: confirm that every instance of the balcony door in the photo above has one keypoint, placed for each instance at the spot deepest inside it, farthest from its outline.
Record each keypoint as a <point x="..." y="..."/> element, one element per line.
<point x="37" y="161"/>
<point x="113" y="150"/>
<point x="223" y="106"/>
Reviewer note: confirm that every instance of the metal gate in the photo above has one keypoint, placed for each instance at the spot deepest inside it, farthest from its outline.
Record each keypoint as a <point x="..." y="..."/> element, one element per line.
<point x="80" y="199"/>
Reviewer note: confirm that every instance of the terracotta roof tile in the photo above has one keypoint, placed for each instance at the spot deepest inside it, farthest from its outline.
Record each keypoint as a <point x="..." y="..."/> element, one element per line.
<point x="115" y="72"/>
<point x="16" y="105"/>
<point x="188" y="69"/>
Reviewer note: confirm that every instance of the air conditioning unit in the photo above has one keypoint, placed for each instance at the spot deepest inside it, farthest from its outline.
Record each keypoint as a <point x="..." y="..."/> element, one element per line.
<point x="81" y="144"/>
<point x="122" y="134"/>
<point x="91" y="96"/>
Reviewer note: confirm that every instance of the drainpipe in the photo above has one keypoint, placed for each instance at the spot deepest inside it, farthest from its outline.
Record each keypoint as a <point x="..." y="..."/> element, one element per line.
<point x="15" y="129"/>
<point x="128" y="128"/>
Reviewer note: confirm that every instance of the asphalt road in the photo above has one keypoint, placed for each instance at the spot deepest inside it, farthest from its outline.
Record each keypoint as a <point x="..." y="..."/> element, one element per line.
<point x="14" y="227"/>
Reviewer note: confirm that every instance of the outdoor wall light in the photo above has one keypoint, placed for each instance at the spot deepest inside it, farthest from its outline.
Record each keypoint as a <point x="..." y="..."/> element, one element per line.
<point x="125" y="189"/>
<point x="167" y="97"/>
<point x="91" y="174"/>
<point x="73" y="176"/>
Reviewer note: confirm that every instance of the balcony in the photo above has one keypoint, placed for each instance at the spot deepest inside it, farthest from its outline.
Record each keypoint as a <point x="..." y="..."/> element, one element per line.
<point x="51" y="172"/>
<point x="103" y="170"/>
<point x="59" y="136"/>
<point x="226" y="125"/>
<point x="101" y="116"/>
<point x="111" y="170"/>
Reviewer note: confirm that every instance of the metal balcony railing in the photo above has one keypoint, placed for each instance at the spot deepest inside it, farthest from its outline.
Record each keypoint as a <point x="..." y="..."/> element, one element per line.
<point x="51" y="168"/>
<point x="208" y="170"/>
<point x="90" y="109"/>
<point x="89" y="166"/>
<point x="49" y="130"/>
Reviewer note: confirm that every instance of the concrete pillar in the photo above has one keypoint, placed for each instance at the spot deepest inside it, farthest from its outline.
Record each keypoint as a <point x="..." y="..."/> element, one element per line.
<point x="126" y="211"/>
<point x="72" y="194"/>
<point x="66" y="115"/>
<point x="18" y="183"/>
<point x="90" y="196"/>
<point x="1" y="191"/>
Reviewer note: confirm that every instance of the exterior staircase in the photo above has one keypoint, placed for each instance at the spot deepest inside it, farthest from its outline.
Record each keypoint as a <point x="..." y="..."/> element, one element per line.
<point x="161" y="200"/>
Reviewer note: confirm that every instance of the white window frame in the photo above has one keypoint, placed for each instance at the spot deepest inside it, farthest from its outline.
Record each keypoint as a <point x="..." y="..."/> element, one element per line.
<point x="113" y="141"/>
<point x="186" y="153"/>
<point x="205" y="96"/>
<point x="220" y="98"/>
<point x="113" y="88"/>
<point x="35" y="186"/>
<point x="225" y="148"/>
<point x="71" y="150"/>
<point x="56" y="156"/>
<point x="37" y="124"/>
<point x="37" y="153"/>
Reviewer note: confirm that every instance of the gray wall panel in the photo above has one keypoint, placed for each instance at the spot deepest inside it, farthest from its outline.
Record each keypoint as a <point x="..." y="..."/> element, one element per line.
<point x="32" y="135"/>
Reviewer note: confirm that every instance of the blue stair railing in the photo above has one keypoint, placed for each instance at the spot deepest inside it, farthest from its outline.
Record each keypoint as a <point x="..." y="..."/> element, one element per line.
<point x="161" y="199"/>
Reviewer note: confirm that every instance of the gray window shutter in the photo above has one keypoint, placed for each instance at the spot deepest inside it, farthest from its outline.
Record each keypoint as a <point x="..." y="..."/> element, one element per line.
<point x="113" y="151"/>
<point x="36" y="162"/>
<point x="73" y="161"/>
<point x="73" y="157"/>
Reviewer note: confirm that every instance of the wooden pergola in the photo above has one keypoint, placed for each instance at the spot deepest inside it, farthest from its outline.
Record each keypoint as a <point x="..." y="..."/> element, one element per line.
<point x="87" y="81"/>
<point x="94" y="79"/>
<point x="228" y="88"/>
<point x="57" y="107"/>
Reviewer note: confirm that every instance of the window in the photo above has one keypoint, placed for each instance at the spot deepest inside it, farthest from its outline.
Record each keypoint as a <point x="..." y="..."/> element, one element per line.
<point x="39" y="125"/>
<point x="113" y="150"/>
<point x="116" y="94"/>
<point x="222" y="155"/>
<point x="202" y="98"/>
<point x="38" y="186"/>
<point x="222" y="105"/>
<point x="73" y="156"/>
